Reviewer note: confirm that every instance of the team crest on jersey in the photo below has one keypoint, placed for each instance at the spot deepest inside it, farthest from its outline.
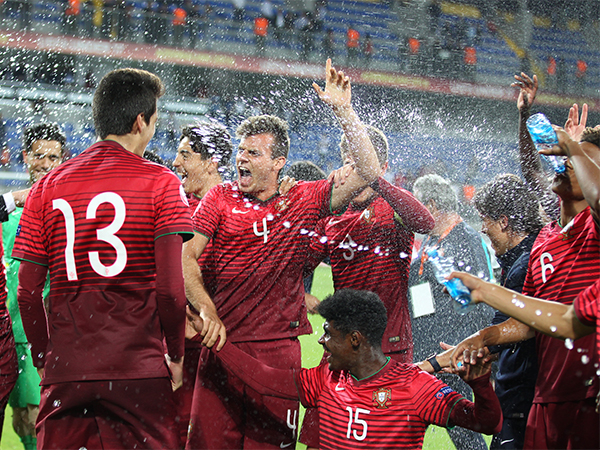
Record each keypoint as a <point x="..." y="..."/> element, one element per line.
<point x="443" y="392"/>
<point x="282" y="204"/>
<point x="381" y="397"/>
<point x="367" y="215"/>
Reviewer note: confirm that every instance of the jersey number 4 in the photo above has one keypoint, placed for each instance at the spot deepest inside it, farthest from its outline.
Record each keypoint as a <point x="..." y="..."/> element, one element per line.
<point x="106" y="234"/>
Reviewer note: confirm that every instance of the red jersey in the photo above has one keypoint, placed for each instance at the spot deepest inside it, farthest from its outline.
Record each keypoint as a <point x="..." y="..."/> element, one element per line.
<point x="586" y="309"/>
<point x="259" y="249"/>
<point x="93" y="221"/>
<point x="390" y="409"/>
<point x="563" y="263"/>
<point x="371" y="250"/>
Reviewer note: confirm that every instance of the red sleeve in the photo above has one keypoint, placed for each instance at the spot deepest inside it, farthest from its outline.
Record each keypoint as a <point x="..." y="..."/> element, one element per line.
<point x="586" y="305"/>
<point x="32" y="278"/>
<point x="484" y="415"/>
<point x="206" y="218"/>
<point x="412" y="213"/>
<point x="260" y="377"/>
<point x="170" y="292"/>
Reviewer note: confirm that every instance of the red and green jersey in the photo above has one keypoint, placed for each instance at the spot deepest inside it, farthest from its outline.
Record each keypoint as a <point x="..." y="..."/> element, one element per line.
<point x="259" y="249"/>
<point x="93" y="222"/>
<point x="563" y="263"/>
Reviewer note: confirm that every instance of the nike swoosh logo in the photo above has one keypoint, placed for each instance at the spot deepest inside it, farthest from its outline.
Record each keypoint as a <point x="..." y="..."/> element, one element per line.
<point x="237" y="211"/>
<point x="339" y="388"/>
<point x="504" y="442"/>
<point x="282" y="445"/>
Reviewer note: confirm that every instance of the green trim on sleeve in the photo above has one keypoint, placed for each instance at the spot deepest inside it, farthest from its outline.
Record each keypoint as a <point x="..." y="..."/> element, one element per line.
<point x="28" y="260"/>
<point x="450" y="413"/>
<point x="183" y="234"/>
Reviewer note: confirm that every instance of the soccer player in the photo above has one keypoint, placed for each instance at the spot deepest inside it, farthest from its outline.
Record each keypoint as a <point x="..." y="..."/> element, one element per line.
<point x="108" y="225"/>
<point x="564" y="262"/>
<point x="260" y="242"/>
<point x="370" y="246"/>
<point x="44" y="150"/>
<point x="202" y="156"/>
<point x="367" y="399"/>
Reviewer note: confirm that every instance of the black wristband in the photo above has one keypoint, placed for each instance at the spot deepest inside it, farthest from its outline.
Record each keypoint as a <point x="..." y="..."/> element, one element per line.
<point x="434" y="363"/>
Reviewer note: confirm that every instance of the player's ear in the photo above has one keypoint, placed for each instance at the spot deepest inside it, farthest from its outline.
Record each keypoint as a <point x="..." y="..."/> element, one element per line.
<point x="279" y="163"/>
<point x="356" y="338"/>
<point x="138" y="124"/>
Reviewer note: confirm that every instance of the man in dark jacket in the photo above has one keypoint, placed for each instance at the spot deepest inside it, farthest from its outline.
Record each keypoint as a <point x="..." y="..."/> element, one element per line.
<point x="511" y="218"/>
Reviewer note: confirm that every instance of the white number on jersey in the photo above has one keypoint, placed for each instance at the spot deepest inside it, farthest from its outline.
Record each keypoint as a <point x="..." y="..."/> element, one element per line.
<point x="357" y="420"/>
<point x="264" y="233"/>
<point x="106" y="234"/>
<point x="349" y="245"/>
<point x="545" y="266"/>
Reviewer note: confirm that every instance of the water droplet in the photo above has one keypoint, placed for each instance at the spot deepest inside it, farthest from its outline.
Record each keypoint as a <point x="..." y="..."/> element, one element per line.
<point x="538" y="312"/>
<point x="303" y="231"/>
<point x="569" y="344"/>
<point x="585" y="359"/>
<point x="403" y="255"/>
<point x="323" y="239"/>
<point x="553" y="329"/>
<point x="56" y="403"/>
<point x="270" y="216"/>
<point x="287" y="224"/>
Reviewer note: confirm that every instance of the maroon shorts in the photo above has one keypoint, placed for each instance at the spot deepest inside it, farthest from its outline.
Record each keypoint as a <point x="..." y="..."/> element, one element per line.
<point x="183" y="395"/>
<point x="9" y="369"/>
<point x="227" y="414"/>
<point x="309" y="434"/>
<point x="567" y="425"/>
<point x="119" y="414"/>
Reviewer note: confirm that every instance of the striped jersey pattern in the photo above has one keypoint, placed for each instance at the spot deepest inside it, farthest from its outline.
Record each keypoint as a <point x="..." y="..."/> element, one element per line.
<point x="563" y="263"/>
<point x="259" y="250"/>
<point x="390" y="409"/>
<point x="93" y="221"/>
<point x="586" y="309"/>
<point x="370" y="250"/>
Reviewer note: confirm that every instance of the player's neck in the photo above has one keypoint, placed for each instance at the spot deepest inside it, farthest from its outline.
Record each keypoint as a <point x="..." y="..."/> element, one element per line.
<point x="569" y="209"/>
<point x="369" y="364"/>
<point x="443" y="221"/>
<point x="129" y="142"/>
<point x="210" y="183"/>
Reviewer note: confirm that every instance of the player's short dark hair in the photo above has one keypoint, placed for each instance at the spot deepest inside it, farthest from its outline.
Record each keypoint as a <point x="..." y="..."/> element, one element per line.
<point x="436" y="188"/>
<point x="267" y="124"/>
<point x="591" y="135"/>
<point x="44" y="131"/>
<point x="353" y="310"/>
<point x="306" y="171"/>
<point x="507" y="195"/>
<point x="210" y="140"/>
<point x="154" y="157"/>
<point x="378" y="139"/>
<point x="121" y="96"/>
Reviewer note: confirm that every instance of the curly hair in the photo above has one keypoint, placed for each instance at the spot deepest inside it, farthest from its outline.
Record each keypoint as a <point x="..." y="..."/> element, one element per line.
<point x="353" y="310"/>
<point x="43" y="131"/>
<point x="509" y="196"/>
<point x="210" y="140"/>
<point x="591" y="135"/>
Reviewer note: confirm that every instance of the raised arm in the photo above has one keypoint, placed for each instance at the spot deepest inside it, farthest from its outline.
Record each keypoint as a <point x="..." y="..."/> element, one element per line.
<point x="338" y="96"/>
<point x="531" y="167"/>
<point x="212" y="327"/>
<point x="411" y="212"/>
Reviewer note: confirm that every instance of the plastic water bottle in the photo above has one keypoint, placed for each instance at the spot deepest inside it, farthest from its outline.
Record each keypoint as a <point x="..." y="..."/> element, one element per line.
<point x="544" y="137"/>
<point x="442" y="267"/>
